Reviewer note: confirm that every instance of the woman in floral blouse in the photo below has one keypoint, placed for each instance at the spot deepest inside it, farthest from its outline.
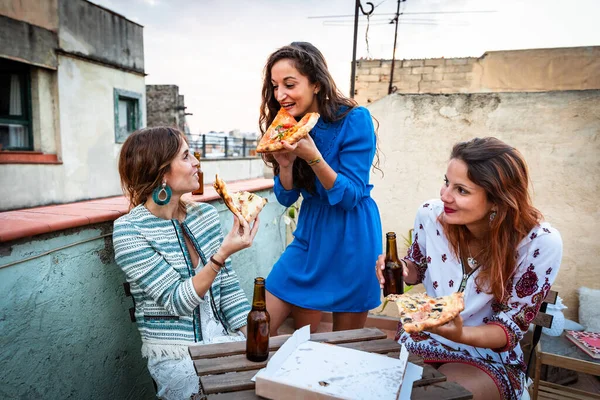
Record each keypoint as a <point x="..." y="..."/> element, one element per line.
<point x="484" y="238"/>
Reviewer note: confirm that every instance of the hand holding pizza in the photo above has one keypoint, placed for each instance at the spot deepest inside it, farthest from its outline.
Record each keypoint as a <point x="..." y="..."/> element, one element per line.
<point x="284" y="158"/>
<point x="452" y="330"/>
<point x="305" y="148"/>
<point x="240" y="237"/>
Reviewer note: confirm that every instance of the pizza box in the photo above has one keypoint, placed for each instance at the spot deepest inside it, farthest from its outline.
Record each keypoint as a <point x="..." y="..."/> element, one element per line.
<point x="302" y="369"/>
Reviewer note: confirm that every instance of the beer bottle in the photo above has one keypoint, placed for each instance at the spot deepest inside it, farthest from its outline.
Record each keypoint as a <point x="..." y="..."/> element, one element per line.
<point x="200" y="190"/>
<point x="394" y="280"/>
<point x="259" y="321"/>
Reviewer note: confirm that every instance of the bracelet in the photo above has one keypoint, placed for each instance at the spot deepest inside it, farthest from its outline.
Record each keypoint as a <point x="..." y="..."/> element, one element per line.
<point x="218" y="264"/>
<point x="314" y="161"/>
<point x="213" y="268"/>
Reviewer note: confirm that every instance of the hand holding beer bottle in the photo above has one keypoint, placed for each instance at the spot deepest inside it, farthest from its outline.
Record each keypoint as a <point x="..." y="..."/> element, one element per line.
<point x="390" y="269"/>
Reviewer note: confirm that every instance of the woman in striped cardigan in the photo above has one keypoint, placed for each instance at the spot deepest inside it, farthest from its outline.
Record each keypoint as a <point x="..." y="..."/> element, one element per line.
<point x="176" y="259"/>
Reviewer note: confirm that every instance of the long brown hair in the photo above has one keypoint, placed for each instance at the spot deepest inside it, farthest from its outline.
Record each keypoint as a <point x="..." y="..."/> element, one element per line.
<point x="145" y="158"/>
<point x="332" y="104"/>
<point x="502" y="172"/>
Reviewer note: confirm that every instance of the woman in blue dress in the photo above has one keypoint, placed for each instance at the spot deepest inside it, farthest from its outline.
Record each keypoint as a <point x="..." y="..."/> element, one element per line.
<point x="328" y="265"/>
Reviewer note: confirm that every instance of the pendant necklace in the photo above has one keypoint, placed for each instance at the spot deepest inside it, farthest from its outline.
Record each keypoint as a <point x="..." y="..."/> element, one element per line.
<point x="471" y="261"/>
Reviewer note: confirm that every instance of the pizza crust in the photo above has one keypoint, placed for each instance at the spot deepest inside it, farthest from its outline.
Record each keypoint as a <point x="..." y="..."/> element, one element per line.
<point x="419" y="312"/>
<point x="243" y="204"/>
<point x="270" y="142"/>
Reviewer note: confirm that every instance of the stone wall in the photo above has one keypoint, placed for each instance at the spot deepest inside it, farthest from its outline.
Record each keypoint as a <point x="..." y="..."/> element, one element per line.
<point x="576" y="68"/>
<point x="165" y="106"/>
<point x="557" y="132"/>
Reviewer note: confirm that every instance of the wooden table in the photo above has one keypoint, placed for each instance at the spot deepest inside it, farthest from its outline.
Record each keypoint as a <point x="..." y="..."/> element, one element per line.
<point x="225" y="372"/>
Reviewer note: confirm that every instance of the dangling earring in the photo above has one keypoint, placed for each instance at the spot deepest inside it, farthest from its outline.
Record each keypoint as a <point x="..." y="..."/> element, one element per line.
<point x="163" y="191"/>
<point x="492" y="216"/>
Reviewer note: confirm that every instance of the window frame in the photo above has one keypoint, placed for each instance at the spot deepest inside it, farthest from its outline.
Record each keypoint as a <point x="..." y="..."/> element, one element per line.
<point x="24" y="73"/>
<point x="122" y="94"/>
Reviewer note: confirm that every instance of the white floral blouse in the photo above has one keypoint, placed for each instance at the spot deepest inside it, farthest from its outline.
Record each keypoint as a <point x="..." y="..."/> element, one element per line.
<point x="538" y="261"/>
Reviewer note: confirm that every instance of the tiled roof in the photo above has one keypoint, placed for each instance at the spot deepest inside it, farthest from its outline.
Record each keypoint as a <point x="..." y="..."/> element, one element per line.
<point x="34" y="221"/>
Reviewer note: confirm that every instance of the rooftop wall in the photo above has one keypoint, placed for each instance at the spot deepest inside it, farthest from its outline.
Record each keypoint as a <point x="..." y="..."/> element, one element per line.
<point x="65" y="327"/>
<point x="575" y="68"/>
<point x="557" y="132"/>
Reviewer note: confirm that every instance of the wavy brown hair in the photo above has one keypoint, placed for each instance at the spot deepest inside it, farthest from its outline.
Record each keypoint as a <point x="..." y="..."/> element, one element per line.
<point x="145" y="158"/>
<point x="332" y="104"/>
<point x="502" y="172"/>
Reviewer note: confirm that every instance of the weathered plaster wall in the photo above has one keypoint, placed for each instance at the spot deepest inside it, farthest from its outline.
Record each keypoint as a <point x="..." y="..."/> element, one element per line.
<point x="64" y="321"/>
<point x="558" y="134"/>
<point x="36" y="45"/>
<point x="97" y="33"/>
<point x="573" y="68"/>
<point x="44" y="107"/>
<point x="87" y="140"/>
<point x="42" y="13"/>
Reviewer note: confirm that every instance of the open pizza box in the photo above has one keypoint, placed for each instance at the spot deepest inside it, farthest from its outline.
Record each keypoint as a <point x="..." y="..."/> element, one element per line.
<point x="302" y="369"/>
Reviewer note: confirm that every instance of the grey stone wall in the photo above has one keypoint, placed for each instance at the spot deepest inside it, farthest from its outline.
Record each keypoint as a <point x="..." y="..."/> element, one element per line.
<point x="165" y="106"/>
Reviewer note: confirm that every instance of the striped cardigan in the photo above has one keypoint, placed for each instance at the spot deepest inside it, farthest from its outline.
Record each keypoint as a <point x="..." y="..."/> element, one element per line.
<point x="153" y="254"/>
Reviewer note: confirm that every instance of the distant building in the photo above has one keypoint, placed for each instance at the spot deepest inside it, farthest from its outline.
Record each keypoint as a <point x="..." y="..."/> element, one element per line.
<point x="72" y="88"/>
<point x="165" y="106"/>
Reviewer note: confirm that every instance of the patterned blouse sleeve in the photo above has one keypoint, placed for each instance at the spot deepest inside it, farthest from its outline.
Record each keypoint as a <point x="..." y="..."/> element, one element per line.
<point x="530" y="285"/>
<point x="143" y="265"/>
<point x="417" y="252"/>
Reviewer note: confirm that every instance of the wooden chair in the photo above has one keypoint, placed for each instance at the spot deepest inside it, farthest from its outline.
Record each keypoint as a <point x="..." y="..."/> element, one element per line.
<point x="548" y="390"/>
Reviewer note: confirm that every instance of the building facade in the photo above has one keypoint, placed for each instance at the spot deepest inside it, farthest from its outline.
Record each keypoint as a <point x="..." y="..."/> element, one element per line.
<point x="72" y="87"/>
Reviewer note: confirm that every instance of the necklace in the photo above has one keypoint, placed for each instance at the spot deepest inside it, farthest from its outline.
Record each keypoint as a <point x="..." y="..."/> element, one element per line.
<point x="471" y="261"/>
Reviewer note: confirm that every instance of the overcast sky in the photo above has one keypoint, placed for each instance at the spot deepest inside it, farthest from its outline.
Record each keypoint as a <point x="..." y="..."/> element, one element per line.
<point x="215" y="50"/>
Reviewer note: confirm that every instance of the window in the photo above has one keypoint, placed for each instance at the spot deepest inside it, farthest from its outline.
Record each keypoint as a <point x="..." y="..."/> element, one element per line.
<point x="15" y="106"/>
<point x="128" y="115"/>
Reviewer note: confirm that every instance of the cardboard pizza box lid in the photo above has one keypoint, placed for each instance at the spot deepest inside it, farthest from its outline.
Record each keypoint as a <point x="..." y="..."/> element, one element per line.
<point x="302" y="369"/>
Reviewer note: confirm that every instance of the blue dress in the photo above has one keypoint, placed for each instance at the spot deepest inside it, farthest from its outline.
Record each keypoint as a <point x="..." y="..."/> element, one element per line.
<point x="330" y="264"/>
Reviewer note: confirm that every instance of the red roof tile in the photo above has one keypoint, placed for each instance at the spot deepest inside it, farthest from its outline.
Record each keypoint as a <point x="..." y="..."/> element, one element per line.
<point x="34" y="221"/>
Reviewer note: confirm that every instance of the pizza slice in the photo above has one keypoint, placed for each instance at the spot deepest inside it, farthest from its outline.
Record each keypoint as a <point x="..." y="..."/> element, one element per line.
<point x="285" y="127"/>
<point x="242" y="203"/>
<point x="419" y="312"/>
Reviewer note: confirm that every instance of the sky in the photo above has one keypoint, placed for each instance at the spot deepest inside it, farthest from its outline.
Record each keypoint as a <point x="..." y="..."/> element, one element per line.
<point x="215" y="50"/>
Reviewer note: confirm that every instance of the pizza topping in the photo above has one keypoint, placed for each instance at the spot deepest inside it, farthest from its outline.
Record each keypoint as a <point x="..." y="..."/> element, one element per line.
<point x="420" y="312"/>
<point x="285" y="127"/>
<point x="280" y="130"/>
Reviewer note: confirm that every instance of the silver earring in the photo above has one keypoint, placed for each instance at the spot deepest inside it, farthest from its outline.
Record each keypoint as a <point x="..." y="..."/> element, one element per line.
<point x="492" y="216"/>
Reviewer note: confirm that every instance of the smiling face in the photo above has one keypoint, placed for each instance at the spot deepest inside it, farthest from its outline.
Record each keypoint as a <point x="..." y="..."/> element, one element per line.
<point x="293" y="91"/>
<point x="183" y="171"/>
<point x="465" y="203"/>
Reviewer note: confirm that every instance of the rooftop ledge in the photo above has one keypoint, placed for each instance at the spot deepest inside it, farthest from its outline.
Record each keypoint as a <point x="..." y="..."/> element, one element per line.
<point x="23" y="223"/>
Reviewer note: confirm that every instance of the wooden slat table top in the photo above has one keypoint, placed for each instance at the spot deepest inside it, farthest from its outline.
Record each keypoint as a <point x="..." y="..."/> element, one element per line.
<point x="239" y="362"/>
<point x="225" y="372"/>
<point x="436" y="391"/>
<point x="227" y="349"/>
